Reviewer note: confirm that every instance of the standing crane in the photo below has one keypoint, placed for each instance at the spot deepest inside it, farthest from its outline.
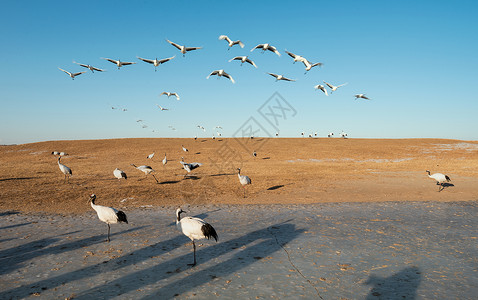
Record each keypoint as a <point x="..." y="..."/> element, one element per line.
<point x="440" y="178"/>
<point x="65" y="170"/>
<point x="244" y="180"/>
<point x="108" y="215"/>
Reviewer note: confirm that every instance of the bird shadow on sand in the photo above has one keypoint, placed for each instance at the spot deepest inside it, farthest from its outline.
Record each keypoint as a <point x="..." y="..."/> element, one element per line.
<point x="276" y="187"/>
<point x="268" y="157"/>
<point x="170" y="182"/>
<point x="191" y="177"/>
<point x="248" y="249"/>
<point x="445" y="185"/>
<point x="401" y="285"/>
<point x="8" y="213"/>
<point x="222" y="174"/>
<point x="17" y="178"/>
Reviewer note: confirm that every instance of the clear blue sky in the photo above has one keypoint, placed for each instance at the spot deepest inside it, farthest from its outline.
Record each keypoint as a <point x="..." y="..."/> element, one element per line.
<point x="417" y="60"/>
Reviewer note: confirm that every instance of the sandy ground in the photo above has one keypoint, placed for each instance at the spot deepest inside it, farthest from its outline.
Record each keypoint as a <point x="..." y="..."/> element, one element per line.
<point x="300" y="170"/>
<point x="387" y="250"/>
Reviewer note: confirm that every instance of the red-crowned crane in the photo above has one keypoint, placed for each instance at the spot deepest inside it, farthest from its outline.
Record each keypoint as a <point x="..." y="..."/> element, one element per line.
<point x="440" y="178"/>
<point x="244" y="180"/>
<point x="108" y="215"/>
<point x="64" y="169"/>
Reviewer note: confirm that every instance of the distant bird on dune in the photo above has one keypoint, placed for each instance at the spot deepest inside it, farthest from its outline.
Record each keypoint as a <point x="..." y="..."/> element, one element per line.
<point x="169" y="94"/>
<point x="280" y="77"/>
<point x="150" y="156"/>
<point x="119" y="174"/>
<point x="221" y="73"/>
<point x="440" y="178"/>
<point x="189" y="166"/>
<point x="119" y="63"/>
<point x="184" y="149"/>
<point x="72" y="75"/>
<point x="243" y="59"/>
<point x="266" y="47"/>
<point x="146" y="170"/>
<point x="156" y="62"/>
<point x="65" y="170"/>
<point x="332" y="87"/>
<point x="361" y="96"/>
<point x="231" y="42"/>
<point x="322" y="88"/>
<point x="183" y="49"/>
<point x="91" y="68"/>
<point x="108" y="215"/>
<point x="165" y="160"/>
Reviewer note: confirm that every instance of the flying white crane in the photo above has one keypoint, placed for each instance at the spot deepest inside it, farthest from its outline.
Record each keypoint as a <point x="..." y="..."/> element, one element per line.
<point x="358" y="96"/>
<point x="221" y="73"/>
<point x="165" y="160"/>
<point x="194" y="229"/>
<point x="108" y="215"/>
<point x="72" y="75"/>
<point x="266" y="47"/>
<point x="308" y="65"/>
<point x="146" y="170"/>
<point x="89" y="67"/>
<point x="119" y="63"/>
<point x="189" y="166"/>
<point x="334" y="88"/>
<point x="156" y="62"/>
<point x="244" y="180"/>
<point x="280" y="77"/>
<point x="322" y="88"/>
<point x="440" y="178"/>
<point x="231" y="42"/>
<point x="243" y="59"/>
<point x="201" y="127"/>
<point x="183" y="49"/>
<point x="184" y="149"/>
<point x="64" y="169"/>
<point x="169" y="94"/>
<point x="119" y="174"/>
<point x="295" y="57"/>
<point x="150" y="156"/>
<point x="161" y="108"/>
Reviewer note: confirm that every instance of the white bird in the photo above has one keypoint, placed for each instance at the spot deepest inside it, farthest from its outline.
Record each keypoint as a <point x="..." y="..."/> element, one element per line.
<point x="265" y="47"/>
<point x="295" y="57"/>
<point x="243" y="59"/>
<point x="440" y="178"/>
<point x="119" y="174"/>
<point x="189" y="166"/>
<point x="244" y="180"/>
<point x="156" y="62"/>
<point x="183" y="49"/>
<point x="308" y="65"/>
<point x="277" y="134"/>
<point x="221" y="73"/>
<point x="280" y="77"/>
<point x="169" y="94"/>
<point x="165" y="160"/>
<point x="150" y="156"/>
<point x="361" y="96"/>
<point x="184" y="149"/>
<point x="194" y="229"/>
<point x="161" y="108"/>
<point x="343" y="134"/>
<point x="108" y="215"/>
<point x="72" y="75"/>
<point x="118" y="63"/>
<point x="302" y="134"/>
<point x="334" y="88"/>
<point x="89" y="67"/>
<point x="64" y="169"/>
<point x="231" y="42"/>
<point x="146" y="170"/>
<point x="322" y="88"/>
<point x="254" y="153"/>
<point x="330" y="134"/>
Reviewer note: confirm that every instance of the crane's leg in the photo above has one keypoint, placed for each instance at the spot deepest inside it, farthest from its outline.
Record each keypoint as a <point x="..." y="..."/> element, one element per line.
<point x="244" y="192"/>
<point x="108" y="238"/>
<point x="155" y="178"/>
<point x="194" y="254"/>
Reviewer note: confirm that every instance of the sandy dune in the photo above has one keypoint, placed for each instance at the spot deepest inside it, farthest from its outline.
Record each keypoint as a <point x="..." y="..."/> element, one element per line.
<point x="299" y="170"/>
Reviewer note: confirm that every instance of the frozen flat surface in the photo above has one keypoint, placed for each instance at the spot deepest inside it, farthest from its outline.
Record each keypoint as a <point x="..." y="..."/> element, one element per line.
<point x="388" y="250"/>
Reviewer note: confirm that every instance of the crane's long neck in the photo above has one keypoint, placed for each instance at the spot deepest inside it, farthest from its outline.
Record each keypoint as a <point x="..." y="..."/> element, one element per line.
<point x="428" y="173"/>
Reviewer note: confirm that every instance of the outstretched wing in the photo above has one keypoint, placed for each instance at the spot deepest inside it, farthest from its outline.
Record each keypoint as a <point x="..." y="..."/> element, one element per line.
<point x="229" y="76"/>
<point x="174" y="44"/>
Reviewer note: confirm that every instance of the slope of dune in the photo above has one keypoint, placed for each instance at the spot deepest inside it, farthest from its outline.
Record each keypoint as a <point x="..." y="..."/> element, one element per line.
<point x="286" y="170"/>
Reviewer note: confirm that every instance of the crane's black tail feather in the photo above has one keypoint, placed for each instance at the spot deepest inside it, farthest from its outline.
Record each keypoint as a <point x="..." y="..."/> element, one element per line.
<point x="122" y="217"/>
<point x="209" y="231"/>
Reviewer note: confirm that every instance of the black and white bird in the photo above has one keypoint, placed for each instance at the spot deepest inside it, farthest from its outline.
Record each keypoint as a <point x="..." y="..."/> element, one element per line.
<point x="189" y="166"/>
<point x="169" y="94"/>
<point x="184" y="149"/>
<point x="119" y="174"/>
<point x="440" y="178"/>
<point x="165" y="160"/>
<point x="322" y="88"/>
<point x="89" y="67"/>
<point x="150" y="156"/>
<point x="266" y="47"/>
<point x="361" y="96"/>
<point x="119" y="63"/>
<point x="254" y="153"/>
<point x="108" y="215"/>
<point x="330" y="134"/>
<point x="64" y="169"/>
<point x="161" y="108"/>
<point x="295" y="57"/>
<point x="244" y="180"/>
<point x="333" y="88"/>
<point x="231" y="42"/>
<point x="194" y="229"/>
<point x="308" y="65"/>
<point x="343" y="134"/>
<point x="156" y="62"/>
<point x="146" y="170"/>
<point x="280" y="77"/>
<point x="72" y="75"/>
<point x="221" y="73"/>
<point x="243" y="59"/>
<point x="183" y="49"/>
<point x="55" y="153"/>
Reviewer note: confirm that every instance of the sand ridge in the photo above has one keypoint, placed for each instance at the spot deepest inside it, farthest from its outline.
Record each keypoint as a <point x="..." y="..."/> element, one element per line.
<point x="286" y="170"/>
